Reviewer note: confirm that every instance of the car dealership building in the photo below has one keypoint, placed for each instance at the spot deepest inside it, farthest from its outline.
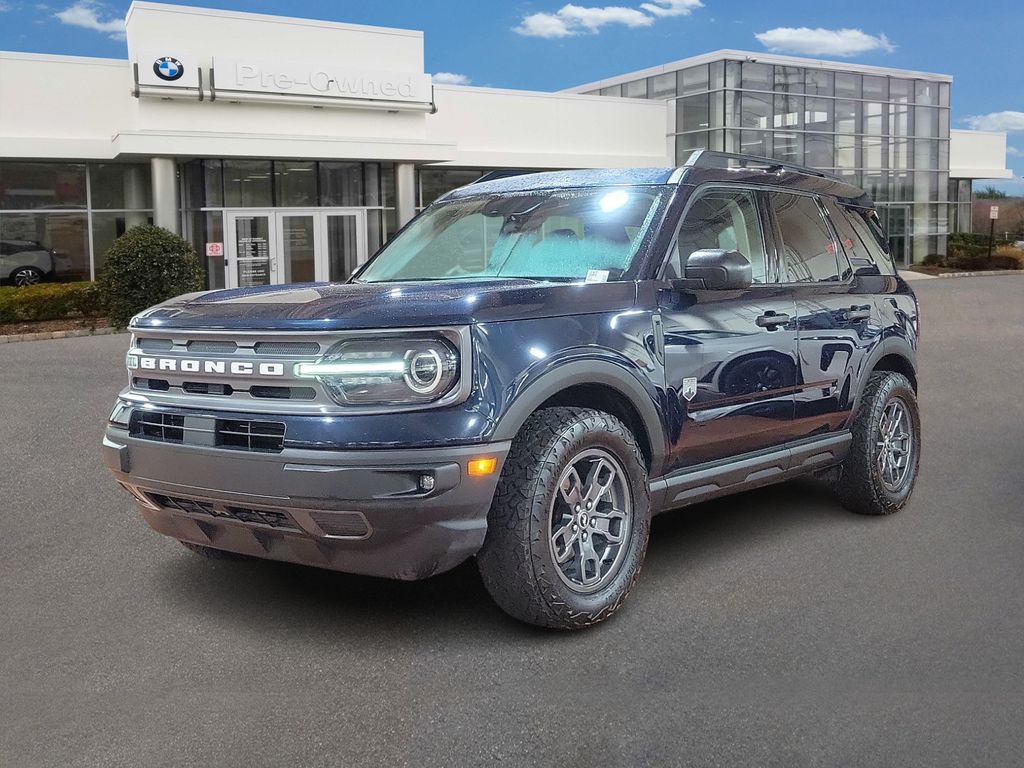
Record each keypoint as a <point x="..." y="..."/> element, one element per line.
<point x="288" y="150"/>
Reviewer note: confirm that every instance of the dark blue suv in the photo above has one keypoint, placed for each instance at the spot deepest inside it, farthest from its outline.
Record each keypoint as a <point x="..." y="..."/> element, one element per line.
<point x="529" y="371"/>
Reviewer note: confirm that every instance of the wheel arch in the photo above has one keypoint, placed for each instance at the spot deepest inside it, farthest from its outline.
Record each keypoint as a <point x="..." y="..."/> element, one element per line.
<point x="601" y="385"/>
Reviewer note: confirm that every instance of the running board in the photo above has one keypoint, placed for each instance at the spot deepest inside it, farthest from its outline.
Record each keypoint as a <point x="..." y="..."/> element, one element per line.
<point x="708" y="481"/>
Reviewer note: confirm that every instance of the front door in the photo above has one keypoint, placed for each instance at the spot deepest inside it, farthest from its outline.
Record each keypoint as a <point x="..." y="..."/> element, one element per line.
<point x="730" y="356"/>
<point x="271" y="247"/>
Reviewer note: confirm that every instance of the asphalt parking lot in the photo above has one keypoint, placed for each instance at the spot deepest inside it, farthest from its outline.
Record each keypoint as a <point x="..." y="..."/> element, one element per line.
<point x="772" y="628"/>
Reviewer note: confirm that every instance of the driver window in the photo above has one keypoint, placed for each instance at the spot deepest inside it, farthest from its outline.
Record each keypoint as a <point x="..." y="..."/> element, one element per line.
<point x="721" y="219"/>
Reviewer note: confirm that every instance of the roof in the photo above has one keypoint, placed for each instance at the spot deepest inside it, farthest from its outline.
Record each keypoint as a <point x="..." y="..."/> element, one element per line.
<point x="596" y="177"/>
<point x="764" y="58"/>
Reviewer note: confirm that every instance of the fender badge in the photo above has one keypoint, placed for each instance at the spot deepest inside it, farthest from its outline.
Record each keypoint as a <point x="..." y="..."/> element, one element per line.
<point x="689" y="388"/>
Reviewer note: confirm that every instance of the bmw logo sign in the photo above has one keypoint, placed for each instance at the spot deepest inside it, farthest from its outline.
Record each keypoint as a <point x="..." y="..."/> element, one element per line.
<point x="168" y="68"/>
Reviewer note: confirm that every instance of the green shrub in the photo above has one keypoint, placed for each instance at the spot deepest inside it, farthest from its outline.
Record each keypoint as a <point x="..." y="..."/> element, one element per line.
<point x="145" y="266"/>
<point x="49" y="301"/>
<point x="974" y="238"/>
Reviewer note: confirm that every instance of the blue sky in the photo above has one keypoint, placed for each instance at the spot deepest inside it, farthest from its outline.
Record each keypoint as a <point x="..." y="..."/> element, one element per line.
<point x="550" y="45"/>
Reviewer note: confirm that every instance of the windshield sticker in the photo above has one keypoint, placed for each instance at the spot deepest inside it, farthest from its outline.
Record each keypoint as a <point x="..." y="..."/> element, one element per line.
<point x="597" y="276"/>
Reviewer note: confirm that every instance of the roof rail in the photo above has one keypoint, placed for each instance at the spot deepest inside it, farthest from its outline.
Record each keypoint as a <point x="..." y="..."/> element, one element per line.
<point x="706" y="158"/>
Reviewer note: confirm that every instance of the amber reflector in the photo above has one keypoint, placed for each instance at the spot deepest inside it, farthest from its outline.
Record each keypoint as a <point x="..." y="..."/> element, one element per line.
<point x="482" y="467"/>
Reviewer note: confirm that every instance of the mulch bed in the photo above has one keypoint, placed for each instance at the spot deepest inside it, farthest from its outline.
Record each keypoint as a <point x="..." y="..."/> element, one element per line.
<point x="49" y="326"/>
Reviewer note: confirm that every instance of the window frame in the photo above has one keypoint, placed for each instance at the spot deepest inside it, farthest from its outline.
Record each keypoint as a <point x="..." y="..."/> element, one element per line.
<point x="843" y="265"/>
<point x="767" y="238"/>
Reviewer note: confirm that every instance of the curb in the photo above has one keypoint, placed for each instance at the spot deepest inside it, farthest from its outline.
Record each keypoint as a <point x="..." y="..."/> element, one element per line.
<point x="16" y="337"/>
<point x="984" y="273"/>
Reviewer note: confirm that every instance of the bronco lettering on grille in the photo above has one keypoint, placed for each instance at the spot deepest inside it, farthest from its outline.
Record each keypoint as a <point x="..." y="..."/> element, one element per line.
<point x="221" y="367"/>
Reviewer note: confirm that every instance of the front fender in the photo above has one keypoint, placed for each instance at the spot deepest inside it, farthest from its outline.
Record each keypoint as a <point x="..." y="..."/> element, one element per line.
<point x="576" y="367"/>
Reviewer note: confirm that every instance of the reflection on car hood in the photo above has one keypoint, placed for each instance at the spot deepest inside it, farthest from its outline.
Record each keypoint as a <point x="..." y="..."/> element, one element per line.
<point x="329" y="306"/>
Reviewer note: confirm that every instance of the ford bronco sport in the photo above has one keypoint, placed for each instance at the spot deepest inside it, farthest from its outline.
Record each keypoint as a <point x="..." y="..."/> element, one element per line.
<point x="531" y="369"/>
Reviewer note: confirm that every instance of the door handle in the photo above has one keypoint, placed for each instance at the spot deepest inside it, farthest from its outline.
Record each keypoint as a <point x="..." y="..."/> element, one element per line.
<point x="862" y="312"/>
<point x="772" y="320"/>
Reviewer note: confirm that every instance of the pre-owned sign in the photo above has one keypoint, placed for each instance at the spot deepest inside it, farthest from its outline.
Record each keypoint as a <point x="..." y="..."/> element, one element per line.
<point x="312" y="79"/>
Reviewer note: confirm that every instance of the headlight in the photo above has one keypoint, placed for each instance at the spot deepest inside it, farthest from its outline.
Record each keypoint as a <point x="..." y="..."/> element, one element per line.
<point x="386" y="371"/>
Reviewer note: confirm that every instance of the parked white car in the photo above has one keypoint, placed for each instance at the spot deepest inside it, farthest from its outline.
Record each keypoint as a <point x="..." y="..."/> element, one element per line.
<point x="25" y="262"/>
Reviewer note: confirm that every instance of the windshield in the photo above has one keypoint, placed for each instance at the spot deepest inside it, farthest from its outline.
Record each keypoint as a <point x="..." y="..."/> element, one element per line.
<point x="572" y="234"/>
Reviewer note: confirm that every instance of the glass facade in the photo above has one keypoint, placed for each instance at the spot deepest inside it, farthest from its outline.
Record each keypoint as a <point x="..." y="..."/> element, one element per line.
<point x="211" y="186"/>
<point x="73" y="211"/>
<point x="889" y="135"/>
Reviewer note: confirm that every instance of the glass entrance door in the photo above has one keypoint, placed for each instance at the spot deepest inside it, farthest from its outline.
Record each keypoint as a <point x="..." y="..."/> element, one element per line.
<point x="298" y="236"/>
<point x="251" y="249"/>
<point x="898" y="222"/>
<point x="269" y="247"/>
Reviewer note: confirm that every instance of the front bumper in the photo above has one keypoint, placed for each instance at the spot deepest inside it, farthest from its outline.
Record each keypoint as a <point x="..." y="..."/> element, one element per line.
<point x="356" y="511"/>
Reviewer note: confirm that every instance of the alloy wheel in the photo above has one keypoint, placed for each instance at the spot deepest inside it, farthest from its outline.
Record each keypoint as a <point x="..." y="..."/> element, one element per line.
<point x="590" y="520"/>
<point x="895" y="445"/>
<point x="24" y="277"/>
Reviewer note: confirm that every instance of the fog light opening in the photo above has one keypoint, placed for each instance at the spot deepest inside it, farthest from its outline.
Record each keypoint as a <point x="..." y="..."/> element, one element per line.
<point x="426" y="482"/>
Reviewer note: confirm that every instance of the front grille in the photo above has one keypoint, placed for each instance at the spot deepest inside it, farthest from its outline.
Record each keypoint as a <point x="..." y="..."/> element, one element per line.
<point x="264" y="436"/>
<point x="272" y="518"/>
<point x="305" y="348"/>
<point x="213" y="347"/>
<point x="206" y="431"/>
<point x="249" y="372"/>
<point x="155" y="345"/>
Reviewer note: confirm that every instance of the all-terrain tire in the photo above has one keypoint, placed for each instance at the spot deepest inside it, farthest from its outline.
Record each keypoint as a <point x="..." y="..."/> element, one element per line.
<point x="858" y="483"/>
<point x="213" y="554"/>
<point x="516" y="561"/>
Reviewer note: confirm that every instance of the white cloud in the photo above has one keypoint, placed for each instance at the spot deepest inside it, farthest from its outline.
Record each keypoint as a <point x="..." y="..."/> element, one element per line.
<point x="86" y="14"/>
<point x="672" y="7"/>
<point x="450" y="78"/>
<point x="5" y="6"/>
<point x="1014" y="152"/>
<point x="570" y="19"/>
<point x="1008" y="121"/>
<point x="831" y="42"/>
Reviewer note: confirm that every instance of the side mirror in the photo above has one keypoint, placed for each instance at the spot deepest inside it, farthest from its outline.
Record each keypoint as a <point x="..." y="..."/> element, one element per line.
<point x="716" y="270"/>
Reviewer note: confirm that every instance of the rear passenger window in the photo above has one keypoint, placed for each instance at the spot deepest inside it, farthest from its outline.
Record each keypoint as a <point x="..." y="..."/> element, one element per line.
<point x="721" y="219"/>
<point x="869" y="239"/>
<point x="860" y="257"/>
<point x="807" y="251"/>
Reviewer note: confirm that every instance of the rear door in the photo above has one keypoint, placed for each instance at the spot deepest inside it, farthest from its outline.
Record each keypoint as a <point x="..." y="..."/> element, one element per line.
<point x="834" y="310"/>
<point x="730" y="356"/>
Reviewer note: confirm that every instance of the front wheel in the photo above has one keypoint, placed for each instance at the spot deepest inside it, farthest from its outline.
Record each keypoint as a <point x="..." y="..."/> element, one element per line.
<point x="878" y="474"/>
<point x="568" y="528"/>
<point x="25" y="276"/>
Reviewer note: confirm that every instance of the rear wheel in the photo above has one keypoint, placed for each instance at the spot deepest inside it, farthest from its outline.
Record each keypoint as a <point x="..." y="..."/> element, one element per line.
<point x="568" y="528"/>
<point x="879" y="473"/>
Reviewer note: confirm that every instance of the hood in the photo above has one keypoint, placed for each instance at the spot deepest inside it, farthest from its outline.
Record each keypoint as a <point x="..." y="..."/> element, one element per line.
<point x="330" y="306"/>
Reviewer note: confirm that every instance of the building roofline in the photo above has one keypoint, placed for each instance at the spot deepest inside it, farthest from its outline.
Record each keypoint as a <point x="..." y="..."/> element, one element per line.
<point x="766" y="58"/>
<point x="61" y="58"/>
<point x="265" y="17"/>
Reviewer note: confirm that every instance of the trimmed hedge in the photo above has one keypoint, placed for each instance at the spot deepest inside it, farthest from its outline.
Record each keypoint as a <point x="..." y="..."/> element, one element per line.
<point x="145" y="266"/>
<point x="49" y="301"/>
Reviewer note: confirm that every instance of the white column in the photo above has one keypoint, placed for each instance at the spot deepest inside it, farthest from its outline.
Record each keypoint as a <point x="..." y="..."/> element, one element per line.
<point x="134" y="195"/>
<point x="405" y="192"/>
<point x="165" y="193"/>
